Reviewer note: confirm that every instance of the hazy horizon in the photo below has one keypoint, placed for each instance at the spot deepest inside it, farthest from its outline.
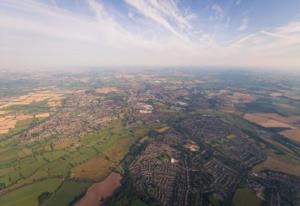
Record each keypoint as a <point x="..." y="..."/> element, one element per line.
<point x="63" y="34"/>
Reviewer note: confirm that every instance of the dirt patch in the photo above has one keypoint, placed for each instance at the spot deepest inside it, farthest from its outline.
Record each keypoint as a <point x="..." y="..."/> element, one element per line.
<point x="163" y="129"/>
<point x="99" y="192"/>
<point x="269" y="120"/>
<point x="292" y="134"/>
<point x="106" y="90"/>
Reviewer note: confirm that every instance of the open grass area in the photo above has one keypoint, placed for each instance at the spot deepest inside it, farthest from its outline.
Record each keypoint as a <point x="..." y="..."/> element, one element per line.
<point x="246" y="197"/>
<point x="67" y="193"/>
<point x="93" y="157"/>
<point x="94" y="169"/>
<point x="28" y="195"/>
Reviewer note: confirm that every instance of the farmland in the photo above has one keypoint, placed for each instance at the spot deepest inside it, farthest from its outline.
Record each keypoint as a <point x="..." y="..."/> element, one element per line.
<point x="121" y="140"/>
<point x="90" y="156"/>
<point x="28" y="195"/>
<point x="102" y="191"/>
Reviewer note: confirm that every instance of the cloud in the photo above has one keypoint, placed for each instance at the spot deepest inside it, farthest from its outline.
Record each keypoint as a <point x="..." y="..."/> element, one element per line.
<point x="151" y="32"/>
<point x="164" y="13"/>
<point x="218" y="11"/>
<point x="238" y="2"/>
<point x="244" y="24"/>
<point x="277" y="47"/>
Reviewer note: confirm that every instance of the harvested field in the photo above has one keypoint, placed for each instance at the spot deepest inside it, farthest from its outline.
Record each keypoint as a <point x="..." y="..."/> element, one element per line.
<point x="106" y="90"/>
<point x="42" y="115"/>
<point x="99" y="192"/>
<point x="54" y="104"/>
<point x="277" y="117"/>
<point x="9" y="122"/>
<point x="292" y="134"/>
<point x="242" y="97"/>
<point x="286" y="106"/>
<point x="275" y="163"/>
<point x="37" y="96"/>
<point x="293" y="97"/>
<point x="276" y="94"/>
<point x="3" y="112"/>
<point x="229" y="109"/>
<point x="94" y="169"/>
<point x="269" y="120"/>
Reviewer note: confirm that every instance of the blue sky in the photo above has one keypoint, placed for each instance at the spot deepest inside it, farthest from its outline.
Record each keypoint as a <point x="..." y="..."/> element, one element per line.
<point x="66" y="33"/>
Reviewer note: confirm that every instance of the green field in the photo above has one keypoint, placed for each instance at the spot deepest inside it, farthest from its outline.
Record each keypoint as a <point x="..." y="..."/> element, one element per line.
<point x="246" y="197"/>
<point x="28" y="195"/>
<point x="67" y="193"/>
<point x="26" y="164"/>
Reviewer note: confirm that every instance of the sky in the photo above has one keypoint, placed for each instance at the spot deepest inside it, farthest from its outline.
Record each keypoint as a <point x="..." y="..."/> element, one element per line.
<point x="90" y="33"/>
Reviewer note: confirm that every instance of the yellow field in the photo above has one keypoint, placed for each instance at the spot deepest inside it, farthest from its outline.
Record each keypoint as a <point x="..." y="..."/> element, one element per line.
<point x="54" y="103"/>
<point x="9" y="119"/>
<point x="9" y="122"/>
<point x="42" y="115"/>
<point x="37" y="96"/>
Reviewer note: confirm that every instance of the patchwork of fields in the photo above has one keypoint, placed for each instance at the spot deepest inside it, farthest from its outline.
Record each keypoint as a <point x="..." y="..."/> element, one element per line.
<point x="56" y="170"/>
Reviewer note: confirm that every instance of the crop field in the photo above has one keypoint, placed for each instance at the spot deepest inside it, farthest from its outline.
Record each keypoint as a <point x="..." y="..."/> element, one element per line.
<point x="292" y="134"/>
<point x="28" y="195"/>
<point x="94" y="169"/>
<point x="32" y="97"/>
<point x="279" y="163"/>
<point x="241" y="97"/>
<point x="27" y="108"/>
<point x="101" y="190"/>
<point x="266" y="121"/>
<point x="106" y="90"/>
<point x="91" y="158"/>
<point x="66" y="193"/>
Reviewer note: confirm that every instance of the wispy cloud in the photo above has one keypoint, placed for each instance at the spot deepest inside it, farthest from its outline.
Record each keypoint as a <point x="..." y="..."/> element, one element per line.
<point x="244" y="24"/>
<point x="40" y="35"/>
<point x="218" y="11"/>
<point x="164" y="13"/>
